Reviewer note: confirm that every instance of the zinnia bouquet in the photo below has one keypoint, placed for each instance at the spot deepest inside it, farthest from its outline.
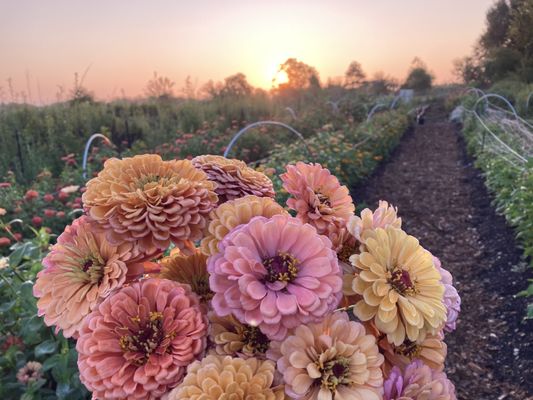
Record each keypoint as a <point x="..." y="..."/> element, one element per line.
<point x="186" y="280"/>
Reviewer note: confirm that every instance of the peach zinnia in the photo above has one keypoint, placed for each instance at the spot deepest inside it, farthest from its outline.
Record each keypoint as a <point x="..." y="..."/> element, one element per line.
<point x="318" y="198"/>
<point x="399" y="285"/>
<point x="218" y="377"/>
<point x="189" y="269"/>
<point x="276" y="274"/>
<point x="234" y="178"/>
<point x="152" y="202"/>
<point x="333" y="359"/>
<point x="80" y="271"/>
<point x="234" y="213"/>
<point x="138" y="342"/>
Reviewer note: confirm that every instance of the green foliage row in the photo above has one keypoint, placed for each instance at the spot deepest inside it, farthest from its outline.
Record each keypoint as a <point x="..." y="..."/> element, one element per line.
<point x="25" y="338"/>
<point x="512" y="188"/>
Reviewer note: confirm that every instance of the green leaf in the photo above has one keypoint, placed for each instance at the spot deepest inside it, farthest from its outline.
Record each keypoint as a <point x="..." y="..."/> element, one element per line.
<point x="51" y="362"/>
<point x="4" y="307"/>
<point x="47" y="347"/>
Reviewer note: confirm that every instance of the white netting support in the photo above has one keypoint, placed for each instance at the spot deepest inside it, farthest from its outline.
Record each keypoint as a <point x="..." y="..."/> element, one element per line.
<point x="374" y="109"/>
<point x="261" y="123"/>
<point x="86" y="151"/>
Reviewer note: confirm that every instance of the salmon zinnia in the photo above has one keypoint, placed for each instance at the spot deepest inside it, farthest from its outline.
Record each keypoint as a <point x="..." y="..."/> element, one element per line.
<point x="319" y="199"/>
<point x="399" y="285"/>
<point x="138" y="342"/>
<point x="149" y="201"/>
<point x="80" y="271"/>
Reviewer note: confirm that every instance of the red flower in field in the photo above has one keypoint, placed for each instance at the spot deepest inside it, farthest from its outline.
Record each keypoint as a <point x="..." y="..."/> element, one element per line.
<point x="60" y="214"/>
<point x="49" y="213"/>
<point x="37" y="221"/>
<point x="5" y="184"/>
<point x="12" y="340"/>
<point x="5" y="241"/>
<point x="48" y="197"/>
<point x="63" y="196"/>
<point x="17" y="236"/>
<point x="17" y="210"/>
<point x="31" y="194"/>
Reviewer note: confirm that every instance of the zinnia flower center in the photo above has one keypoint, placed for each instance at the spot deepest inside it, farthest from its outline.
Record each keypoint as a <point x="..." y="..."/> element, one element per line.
<point x="149" y="338"/>
<point x="334" y="373"/>
<point x="94" y="270"/>
<point x="282" y="267"/>
<point x="201" y="287"/>
<point x="346" y="252"/>
<point x="401" y="281"/>
<point x="145" y="180"/>
<point x="323" y="199"/>
<point x="409" y="349"/>
<point x="256" y="339"/>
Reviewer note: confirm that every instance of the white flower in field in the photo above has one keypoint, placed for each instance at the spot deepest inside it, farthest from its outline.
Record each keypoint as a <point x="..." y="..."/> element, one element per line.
<point x="2" y="212"/>
<point x="4" y="262"/>
<point x="70" y="189"/>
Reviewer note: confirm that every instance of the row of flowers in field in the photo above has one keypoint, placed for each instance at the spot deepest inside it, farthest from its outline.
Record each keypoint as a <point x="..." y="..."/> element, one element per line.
<point x="351" y="153"/>
<point x="511" y="184"/>
<point x="187" y="280"/>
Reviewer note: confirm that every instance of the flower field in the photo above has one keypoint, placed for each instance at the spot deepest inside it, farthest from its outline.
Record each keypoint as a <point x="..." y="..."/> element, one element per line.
<point x="48" y="228"/>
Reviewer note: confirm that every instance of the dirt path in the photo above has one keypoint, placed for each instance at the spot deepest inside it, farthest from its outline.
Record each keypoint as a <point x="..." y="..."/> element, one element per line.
<point x="443" y="201"/>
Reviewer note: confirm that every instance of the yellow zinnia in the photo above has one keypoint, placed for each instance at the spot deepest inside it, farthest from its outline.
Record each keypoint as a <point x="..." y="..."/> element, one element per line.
<point x="399" y="285"/>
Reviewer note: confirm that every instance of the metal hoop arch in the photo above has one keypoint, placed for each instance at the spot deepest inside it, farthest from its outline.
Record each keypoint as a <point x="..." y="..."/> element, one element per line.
<point x="86" y="151"/>
<point x="261" y="123"/>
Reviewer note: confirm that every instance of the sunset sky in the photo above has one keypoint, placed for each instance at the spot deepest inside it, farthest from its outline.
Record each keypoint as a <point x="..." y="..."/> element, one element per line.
<point x="43" y="43"/>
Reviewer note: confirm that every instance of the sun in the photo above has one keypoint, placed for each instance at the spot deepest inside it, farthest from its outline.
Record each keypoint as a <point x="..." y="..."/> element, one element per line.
<point x="279" y="78"/>
<point x="275" y="76"/>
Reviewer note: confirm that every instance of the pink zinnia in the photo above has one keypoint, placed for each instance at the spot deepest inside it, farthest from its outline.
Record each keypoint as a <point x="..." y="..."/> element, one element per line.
<point x="138" y="342"/>
<point x="275" y="273"/>
<point x="451" y="298"/>
<point x="418" y="382"/>
<point x="318" y="198"/>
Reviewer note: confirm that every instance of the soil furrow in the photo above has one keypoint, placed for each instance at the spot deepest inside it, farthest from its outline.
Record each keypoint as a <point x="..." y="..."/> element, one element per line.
<point x="442" y="200"/>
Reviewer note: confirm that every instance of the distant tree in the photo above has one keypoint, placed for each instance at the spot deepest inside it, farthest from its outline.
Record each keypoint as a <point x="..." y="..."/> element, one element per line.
<point x="418" y="78"/>
<point x="521" y="28"/>
<point x="381" y="84"/>
<point x="501" y="62"/>
<point x="469" y="71"/>
<point x="354" y="76"/>
<point x="497" y="26"/>
<point x="236" y="86"/>
<point x="299" y="74"/>
<point x="159" y="87"/>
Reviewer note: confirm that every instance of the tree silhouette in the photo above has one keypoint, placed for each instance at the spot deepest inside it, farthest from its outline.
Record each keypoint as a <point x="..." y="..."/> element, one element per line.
<point x="354" y="76"/>
<point x="299" y="75"/>
<point x="159" y="87"/>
